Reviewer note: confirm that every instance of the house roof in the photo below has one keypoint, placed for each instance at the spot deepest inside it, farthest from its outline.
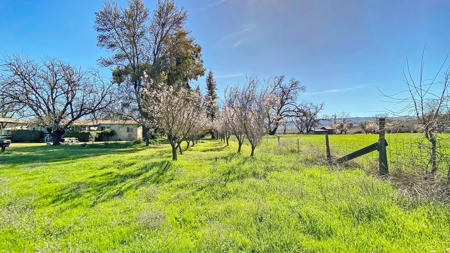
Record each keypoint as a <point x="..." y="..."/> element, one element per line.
<point x="103" y="122"/>
<point x="327" y="128"/>
<point x="13" y="121"/>
<point x="75" y="123"/>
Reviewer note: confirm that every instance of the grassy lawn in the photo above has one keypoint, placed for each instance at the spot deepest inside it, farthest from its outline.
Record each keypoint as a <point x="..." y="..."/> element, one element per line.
<point x="121" y="197"/>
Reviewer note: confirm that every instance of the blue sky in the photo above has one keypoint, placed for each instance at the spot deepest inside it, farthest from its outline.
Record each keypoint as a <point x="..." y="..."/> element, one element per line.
<point x="342" y="51"/>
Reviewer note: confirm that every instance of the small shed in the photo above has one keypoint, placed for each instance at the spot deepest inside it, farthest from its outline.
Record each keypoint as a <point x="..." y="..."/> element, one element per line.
<point x="324" y="130"/>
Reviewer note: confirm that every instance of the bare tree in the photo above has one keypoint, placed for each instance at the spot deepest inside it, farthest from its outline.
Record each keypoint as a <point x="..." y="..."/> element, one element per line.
<point x="167" y="20"/>
<point x="287" y="95"/>
<point x="344" y="117"/>
<point x="427" y="100"/>
<point x="53" y="93"/>
<point x="306" y="116"/>
<point x="363" y="126"/>
<point x="9" y="109"/>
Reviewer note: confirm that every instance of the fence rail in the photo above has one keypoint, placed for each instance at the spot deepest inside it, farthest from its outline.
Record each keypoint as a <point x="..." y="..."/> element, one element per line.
<point x="405" y="152"/>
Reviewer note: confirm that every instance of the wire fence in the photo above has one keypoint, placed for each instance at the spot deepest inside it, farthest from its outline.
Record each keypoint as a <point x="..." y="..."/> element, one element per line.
<point x="405" y="152"/>
<point x="415" y="153"/>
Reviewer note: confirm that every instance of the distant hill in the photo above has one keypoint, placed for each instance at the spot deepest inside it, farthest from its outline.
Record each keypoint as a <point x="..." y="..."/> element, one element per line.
<point x="352" y="120"/>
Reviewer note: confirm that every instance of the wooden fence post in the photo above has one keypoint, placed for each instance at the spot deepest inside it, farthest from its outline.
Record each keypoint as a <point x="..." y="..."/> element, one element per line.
<point x="330" y="162"/>
<point x="298" y="145"/>
<point x="383" y="163"/>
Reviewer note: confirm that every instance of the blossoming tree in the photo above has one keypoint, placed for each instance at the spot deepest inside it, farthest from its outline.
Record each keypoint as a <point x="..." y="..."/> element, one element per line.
<point x="175" y="111"/>
<point x="249" y="106"/>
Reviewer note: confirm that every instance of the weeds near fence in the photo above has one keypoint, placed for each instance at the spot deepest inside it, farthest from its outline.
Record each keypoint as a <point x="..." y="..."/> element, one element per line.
<point x="408" y="158"/>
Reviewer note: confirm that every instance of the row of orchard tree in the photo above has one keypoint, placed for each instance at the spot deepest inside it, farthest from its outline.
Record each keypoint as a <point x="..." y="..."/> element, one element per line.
<point x="249" y="111"/>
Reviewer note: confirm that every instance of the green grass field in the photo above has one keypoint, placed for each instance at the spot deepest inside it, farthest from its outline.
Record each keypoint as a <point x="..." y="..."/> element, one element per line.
<point x="122" y="197"/>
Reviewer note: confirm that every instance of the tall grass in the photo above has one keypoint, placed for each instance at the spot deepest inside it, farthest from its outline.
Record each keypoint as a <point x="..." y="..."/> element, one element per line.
<point x="131" y="198"/>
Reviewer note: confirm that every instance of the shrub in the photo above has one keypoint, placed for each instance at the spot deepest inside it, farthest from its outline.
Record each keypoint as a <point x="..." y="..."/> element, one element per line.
<point x="27" y="136"/>
<point x="108" y="133"/>
<point x="103" y="135"/>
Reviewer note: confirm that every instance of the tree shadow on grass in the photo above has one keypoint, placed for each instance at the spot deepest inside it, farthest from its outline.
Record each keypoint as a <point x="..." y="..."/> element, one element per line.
<point x="110" y="185"/>
<point x="215" y="149"/>
<point x="44" y="154"/>
<point x="228" y="157"/>
<point x="235" y="172"/>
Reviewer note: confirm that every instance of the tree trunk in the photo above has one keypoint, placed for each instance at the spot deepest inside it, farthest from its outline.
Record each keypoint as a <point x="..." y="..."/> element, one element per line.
<point x="146" y="135"/>
<point x="228" y="140"/>
<point x="274" y="130"/>
<point x="213" y="135"/>
<point x="433" y="156"/>
<point x="174" y="151"/>
<point x="179" y="148"/>
<point x="56" y="136"/>
<point x="253" y="151"/>
<point x="188" y="143"/>
<point x="239" y="146"/>
<point x="174" y="144"/>
<point x="448" y="175"/>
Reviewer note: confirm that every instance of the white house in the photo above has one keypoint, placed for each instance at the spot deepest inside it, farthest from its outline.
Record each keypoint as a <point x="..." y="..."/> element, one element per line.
<point x="125" y="130"/>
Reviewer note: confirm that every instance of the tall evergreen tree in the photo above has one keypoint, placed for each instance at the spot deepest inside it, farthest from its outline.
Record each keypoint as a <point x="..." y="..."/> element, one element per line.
<point x="211" y="85"/>
<point x="211" y="105"/>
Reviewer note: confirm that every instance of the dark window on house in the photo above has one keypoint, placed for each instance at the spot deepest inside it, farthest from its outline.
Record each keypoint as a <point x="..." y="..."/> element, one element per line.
<point x="129" y="129"/>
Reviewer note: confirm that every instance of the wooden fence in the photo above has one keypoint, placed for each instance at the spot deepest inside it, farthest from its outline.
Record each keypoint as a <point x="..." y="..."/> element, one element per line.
<point x="380" y="146"/>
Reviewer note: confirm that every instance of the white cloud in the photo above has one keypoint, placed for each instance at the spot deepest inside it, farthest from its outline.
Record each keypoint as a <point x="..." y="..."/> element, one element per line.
<point x="237" y="43"/>
<point x="211" y="5"/>
<point x="229" y="75"/>
<point x="237" y="37"/>
<point x="335" y="90"/>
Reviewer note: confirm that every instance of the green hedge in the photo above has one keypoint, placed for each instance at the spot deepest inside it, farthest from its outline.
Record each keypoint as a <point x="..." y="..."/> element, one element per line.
<point x="82" y="136"/>
<point x="103" y="135"/>
<point x="27" y="136"/>
<point x="108" y="133"/>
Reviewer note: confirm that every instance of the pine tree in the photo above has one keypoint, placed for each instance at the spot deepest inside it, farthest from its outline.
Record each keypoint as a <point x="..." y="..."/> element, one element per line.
<point x="211" y="85"/>
<point x="211" y="106"/>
